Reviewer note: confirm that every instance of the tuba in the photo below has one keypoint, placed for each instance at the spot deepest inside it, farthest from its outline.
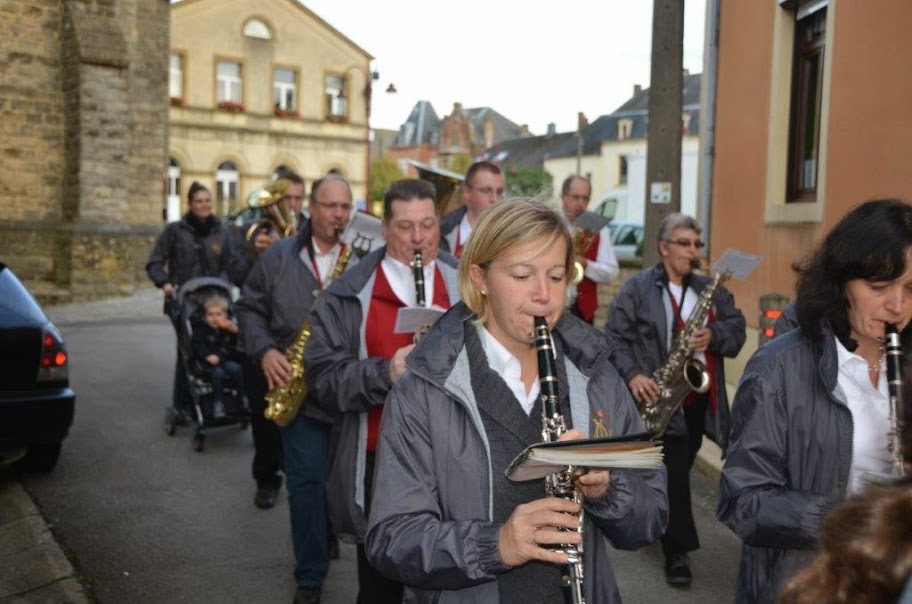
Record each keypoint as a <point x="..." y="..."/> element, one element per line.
<point x="559" y="484"/>
<point x="446" y="183"/>
<point x="681" y="373"/>
<point x="283" y="402"/>
<point x="270" y="200"/>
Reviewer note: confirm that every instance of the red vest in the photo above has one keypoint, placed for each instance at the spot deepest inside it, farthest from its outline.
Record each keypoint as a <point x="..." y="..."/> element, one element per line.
<point x="380" y="340"/>
<point x="587" y="289"/>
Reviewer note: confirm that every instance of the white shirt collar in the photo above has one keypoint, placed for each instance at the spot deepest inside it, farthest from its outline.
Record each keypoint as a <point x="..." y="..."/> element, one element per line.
<point x="402" y="280"/>
<point x="503" y="363"/>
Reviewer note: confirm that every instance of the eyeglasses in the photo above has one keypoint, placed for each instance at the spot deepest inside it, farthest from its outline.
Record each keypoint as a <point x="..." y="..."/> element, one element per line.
<point x="332" y="207"/>
<point x="687" y="243"/>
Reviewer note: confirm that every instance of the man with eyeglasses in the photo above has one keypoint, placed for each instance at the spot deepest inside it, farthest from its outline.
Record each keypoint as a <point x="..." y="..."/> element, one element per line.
<point x="354" y="356"/>
<point x="275" y="301"/>
<point x="482" y="187"/>
<point x="644" y="318"/>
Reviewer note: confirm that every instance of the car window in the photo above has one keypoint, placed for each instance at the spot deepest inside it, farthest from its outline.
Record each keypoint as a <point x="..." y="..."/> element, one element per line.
<point x="17" y="306"/>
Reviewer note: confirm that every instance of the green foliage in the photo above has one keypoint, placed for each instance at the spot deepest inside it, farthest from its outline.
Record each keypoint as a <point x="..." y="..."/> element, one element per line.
<point x="459" y="163"/>
<point x="383" y="171"/>
<point x="528" y="182"/>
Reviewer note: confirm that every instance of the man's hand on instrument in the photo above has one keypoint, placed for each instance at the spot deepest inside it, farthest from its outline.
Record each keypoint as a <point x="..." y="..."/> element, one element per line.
<point x="644" y="389"/>
<point x="533" y="529"/>
<point x="593" y="484"/>
<point x="276" y="368"/>
<point x="700" y="340"/>
<point x="397" y="363"/>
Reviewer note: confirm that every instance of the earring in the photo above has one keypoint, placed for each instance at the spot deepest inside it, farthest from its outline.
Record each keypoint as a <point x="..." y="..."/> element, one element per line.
<point x="484" y="292"/>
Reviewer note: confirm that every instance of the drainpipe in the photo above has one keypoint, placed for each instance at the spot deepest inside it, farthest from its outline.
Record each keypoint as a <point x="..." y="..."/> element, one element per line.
<point x="708" y="115"/>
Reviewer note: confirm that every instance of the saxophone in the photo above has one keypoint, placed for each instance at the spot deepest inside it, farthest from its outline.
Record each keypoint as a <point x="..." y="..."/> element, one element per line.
<point x="283" y="402"/>
<point x="559" y="484"/>
<point x="681" y="373"/>
<point x="893" y="353"/>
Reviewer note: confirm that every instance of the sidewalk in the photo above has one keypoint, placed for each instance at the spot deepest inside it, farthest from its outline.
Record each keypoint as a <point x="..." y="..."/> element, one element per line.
<point x="33" y="567"/>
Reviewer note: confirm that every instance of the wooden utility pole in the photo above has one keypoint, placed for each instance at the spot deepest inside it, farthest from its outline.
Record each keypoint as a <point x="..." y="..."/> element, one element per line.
<point x="663" y="133"/>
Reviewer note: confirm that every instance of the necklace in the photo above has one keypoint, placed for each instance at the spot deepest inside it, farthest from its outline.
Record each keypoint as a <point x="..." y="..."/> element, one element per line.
<point x="876" y="366"/>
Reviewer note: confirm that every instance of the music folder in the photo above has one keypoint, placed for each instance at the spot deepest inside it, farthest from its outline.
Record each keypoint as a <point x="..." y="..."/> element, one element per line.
<point x="635" y="451"/>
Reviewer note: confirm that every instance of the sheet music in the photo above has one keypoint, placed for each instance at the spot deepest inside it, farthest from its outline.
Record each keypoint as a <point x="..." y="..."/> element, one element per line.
<point x="736" y="263"/>
<point x="410" y="319"/>
<point x="590" y="221"/>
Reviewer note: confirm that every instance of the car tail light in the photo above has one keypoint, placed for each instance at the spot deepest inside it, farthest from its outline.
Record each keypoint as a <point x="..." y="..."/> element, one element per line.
<point x="54" y="358"/>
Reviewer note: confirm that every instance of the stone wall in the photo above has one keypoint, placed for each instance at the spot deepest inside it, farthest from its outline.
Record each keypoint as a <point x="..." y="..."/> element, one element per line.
<point x="83" y="140"/>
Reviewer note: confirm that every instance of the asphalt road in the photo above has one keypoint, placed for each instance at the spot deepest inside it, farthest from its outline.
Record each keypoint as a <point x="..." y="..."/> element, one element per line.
<point x="147" y="519"/>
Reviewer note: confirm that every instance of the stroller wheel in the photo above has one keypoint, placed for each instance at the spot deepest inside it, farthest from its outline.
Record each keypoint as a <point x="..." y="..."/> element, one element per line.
<point x="170" y="421"/>
<point x="198" y="440"/>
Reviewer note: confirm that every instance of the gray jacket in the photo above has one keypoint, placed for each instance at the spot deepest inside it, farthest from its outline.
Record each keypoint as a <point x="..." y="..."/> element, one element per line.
<point x="180" y="254"/>
<point x="639" y="323"/>
<point x="276" y="299"/>
<point x="431" y="518"/>
<point x="340" y="375"/>
<point x="788" y="462"/>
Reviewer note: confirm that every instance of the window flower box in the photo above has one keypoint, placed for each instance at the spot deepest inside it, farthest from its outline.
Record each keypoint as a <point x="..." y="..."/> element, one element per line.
<point x="232" y="107"/>
<point x="279" y="112"/>
<point x="177" y="101"/>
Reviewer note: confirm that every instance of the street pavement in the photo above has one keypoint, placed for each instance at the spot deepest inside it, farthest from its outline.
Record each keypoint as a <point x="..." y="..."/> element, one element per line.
<point x="34" y="567"/>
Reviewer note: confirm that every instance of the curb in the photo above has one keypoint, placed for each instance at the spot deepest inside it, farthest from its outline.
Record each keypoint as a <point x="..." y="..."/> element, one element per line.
<point x="33" y="566"/>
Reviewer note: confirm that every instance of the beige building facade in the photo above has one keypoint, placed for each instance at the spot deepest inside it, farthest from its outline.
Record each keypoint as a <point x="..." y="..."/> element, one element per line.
<point x="256" y="85"/>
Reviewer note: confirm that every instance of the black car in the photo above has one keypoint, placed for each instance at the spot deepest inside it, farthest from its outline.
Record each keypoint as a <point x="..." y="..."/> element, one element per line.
<point x="36" y="401"/>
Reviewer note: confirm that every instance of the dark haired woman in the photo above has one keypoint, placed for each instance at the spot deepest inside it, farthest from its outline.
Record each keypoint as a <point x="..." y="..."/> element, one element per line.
<point x="197" y="245"/>
<point x="810" y="420"/>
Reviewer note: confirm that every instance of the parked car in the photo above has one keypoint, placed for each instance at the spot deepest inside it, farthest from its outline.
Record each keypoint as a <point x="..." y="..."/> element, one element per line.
<point x="627" y="238"/>
<point x="36" y="401"/>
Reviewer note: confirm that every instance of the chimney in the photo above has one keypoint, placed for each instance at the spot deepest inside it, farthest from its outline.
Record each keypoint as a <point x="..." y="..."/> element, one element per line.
<point x="637" y="90"/>
<point x="581" y="121"/>
<point x="457" y="108"/>
<point x="524" y="131"/>
<point x="552" y="130"/>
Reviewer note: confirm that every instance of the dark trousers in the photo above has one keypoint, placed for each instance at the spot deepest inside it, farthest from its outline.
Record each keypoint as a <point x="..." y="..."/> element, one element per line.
<point x="373" y="588"/>
<point x="267" y="438"/>
<point x="680" y="453"/>
<point x="181" y="399"/>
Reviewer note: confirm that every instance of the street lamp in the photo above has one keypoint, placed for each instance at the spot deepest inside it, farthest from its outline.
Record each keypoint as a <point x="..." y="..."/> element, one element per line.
<point x="367" y="92"/>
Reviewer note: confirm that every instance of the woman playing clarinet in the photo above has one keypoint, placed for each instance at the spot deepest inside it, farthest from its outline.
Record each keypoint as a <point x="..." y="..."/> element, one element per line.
<point x="445" y="520"/>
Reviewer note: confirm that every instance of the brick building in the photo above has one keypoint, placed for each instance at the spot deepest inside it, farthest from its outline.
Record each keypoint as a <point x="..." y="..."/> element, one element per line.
<point x="83" y="141"/>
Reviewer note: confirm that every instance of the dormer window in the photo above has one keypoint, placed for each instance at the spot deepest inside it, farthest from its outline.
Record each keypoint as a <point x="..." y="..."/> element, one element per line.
<point x="254" y="28"/>
<point x="624" y="128"/>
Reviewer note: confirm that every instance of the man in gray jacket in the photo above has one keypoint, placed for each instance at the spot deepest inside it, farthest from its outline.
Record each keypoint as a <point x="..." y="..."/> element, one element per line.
<point x="353" y="356"/>
<point x="275" y="300"/>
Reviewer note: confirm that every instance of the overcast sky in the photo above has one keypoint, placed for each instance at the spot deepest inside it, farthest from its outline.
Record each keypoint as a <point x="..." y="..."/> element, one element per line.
<point x="533" y="62"/>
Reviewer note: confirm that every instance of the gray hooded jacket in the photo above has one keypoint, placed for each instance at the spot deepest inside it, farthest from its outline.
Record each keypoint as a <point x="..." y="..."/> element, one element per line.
<point x="431" y="521"/>
<point x="789" y="458"/>
<point x="342" y="377"/>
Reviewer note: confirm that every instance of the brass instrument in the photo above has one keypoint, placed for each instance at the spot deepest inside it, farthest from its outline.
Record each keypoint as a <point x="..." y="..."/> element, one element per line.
<point x="270" y="199"/>
<point x="893" y="353"/>
<point x="283" y="402"/>
<point x="681" y="373"/>
<point x="418" y="273"/>
<point x="582" y="239"/>
<point x="446" y="183"/>
<point x="559" y="484"/>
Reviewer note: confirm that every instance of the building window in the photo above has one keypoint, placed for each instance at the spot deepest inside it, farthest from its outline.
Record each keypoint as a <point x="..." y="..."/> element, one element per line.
<point x="622" y="170"/>
<point x="175" y="76"/>
<point x="226" y="185"/>
<point x="228" y="84"/>
<point x="254" y="28"/>
<point x="336" y="97"/>
<point x="806" y="100"/>
<point x="624" y="128"/>
<point x="284" y="90"/>
<point x="173" y="210"/>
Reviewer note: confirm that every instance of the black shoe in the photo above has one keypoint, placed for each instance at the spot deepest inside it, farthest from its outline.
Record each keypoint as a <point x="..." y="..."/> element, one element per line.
<point x="677" y="570"/>
<point x="267" y="493"/>
<point x="307" y="595"/>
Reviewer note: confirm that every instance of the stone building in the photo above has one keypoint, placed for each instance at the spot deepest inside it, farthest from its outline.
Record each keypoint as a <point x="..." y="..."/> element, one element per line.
<point x="259" y="84"/>
<point x="83" y="141"/>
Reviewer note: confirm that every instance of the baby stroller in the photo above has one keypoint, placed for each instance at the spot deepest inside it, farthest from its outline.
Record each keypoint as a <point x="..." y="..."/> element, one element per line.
<point x="189" y="316"/>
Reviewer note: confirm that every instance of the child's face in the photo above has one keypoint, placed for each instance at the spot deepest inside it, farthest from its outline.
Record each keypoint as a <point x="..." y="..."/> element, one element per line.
<point x="215" y="316"/>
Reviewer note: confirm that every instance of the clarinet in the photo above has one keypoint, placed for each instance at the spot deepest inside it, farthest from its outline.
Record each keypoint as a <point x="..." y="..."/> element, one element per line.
<point x="559" y="484"/>
<point x="418" y="273"/>
<point x="893" y="353"/>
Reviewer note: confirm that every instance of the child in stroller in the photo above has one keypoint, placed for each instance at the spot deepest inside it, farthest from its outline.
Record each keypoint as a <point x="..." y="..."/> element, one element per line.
<point x="214" y="345"/>
<point x="216" y="385"/>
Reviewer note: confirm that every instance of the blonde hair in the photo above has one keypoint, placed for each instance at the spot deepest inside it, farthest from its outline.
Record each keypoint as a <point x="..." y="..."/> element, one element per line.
<point x="216" y="300"/>
<point x="500" y="228"/>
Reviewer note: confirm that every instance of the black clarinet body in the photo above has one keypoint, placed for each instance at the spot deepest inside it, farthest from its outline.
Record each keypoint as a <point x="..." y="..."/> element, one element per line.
<point x="893" y="354"/>
<point x="559" y="484"/>
<point x="418" y="273"/>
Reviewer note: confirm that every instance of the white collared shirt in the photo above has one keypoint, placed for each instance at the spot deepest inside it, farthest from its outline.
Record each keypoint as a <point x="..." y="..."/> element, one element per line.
<point x="465" y="229"/>
<point x="402" y="280"/>
<point x="324" y="263"/>
<point x="686" y="307"/>
<point x="870" y="408"/>
<point x="604" y="269"/>
<point x="507" y="366"/>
